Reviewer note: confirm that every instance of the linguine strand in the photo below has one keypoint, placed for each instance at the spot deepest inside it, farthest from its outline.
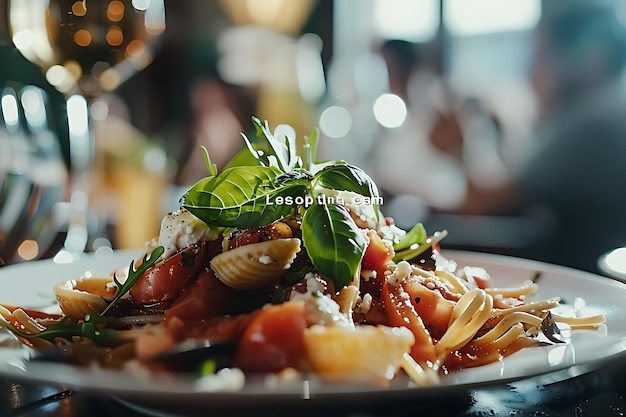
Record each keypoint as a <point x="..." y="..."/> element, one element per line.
<point x="469" y="315"/>
<point x="525" y="289"/>
<point x="505" y="324"/>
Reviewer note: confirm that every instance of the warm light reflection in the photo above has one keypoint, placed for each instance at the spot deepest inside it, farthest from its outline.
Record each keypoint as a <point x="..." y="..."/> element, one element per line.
<point x="74" y="68"/>
<point x="335" y="122"/>
<point x="110" y="79"/>
<point x="413" y="20"/>
<point x="23" y="39"/>
<point x="33" y="103"/>
<point x="616" y="261"/>
<point x="99" y="110"/>
<point x="487" y="16"/>
<point x="30" y="30"/>
<point x="390" y="110"/>
<point x="28" y="250"/>
<point x="285" y="16"/>
<point x="10" y="110"/>
<point x="141" y="5"/>
<point x="265" y="12"/>
<point x="154" y="17"/>
<point x="114" y="36"/>
<point x="79" y="8"/>
<point x="115" y="11"/>
<point x="82" y="38"/>
<point x="309" y="68"/>
<point x="135" y="48"/>
<point x="77" y="118"/>
<point x="60" y="77"/>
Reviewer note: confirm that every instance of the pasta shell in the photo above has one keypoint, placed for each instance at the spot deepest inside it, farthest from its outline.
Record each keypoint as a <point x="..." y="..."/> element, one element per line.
<point x="256" y="265"/>
<point x="87" y="294"/>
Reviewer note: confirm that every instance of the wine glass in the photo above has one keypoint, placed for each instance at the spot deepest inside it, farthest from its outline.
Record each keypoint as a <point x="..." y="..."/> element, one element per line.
<point x="85" y="48"/>
<point x="33" y="174"/>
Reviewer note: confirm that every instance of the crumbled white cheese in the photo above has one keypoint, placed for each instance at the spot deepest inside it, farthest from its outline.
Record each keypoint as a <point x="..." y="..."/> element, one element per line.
<point x="321" y="309"/>
<point x="367" y="274"/>
<point x="365" y="304"/>
<point x="402" y="271"/>
<point x="313" y="285"/>
<point x="181" y="229"/>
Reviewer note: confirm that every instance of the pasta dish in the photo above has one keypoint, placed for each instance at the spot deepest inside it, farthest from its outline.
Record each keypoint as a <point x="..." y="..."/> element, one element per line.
<point x="286" y="266"/>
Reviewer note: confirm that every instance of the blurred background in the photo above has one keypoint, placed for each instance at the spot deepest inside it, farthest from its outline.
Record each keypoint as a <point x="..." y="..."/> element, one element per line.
<point x="458" y="109"/>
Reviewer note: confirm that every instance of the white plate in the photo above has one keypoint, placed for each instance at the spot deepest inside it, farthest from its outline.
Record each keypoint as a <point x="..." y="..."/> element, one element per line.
<point x="31" y="285"/>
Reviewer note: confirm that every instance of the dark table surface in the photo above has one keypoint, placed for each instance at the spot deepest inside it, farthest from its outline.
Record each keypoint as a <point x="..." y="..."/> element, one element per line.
<point x="598" y="393"/>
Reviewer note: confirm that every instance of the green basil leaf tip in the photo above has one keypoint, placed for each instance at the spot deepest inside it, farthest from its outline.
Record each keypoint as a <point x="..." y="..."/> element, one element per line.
<point x="334" y="242"/>
<point x="346" y="177"/>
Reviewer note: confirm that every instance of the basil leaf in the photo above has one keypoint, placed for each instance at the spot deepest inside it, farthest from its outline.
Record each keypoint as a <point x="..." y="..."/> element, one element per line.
<point x="242" y="197"/>
<point x="416" y="236"/>
<point x="345" y="177"/>
<point x="210" y="166"/>
<point x="242" y="158"/>
<point x="333" y="242"/>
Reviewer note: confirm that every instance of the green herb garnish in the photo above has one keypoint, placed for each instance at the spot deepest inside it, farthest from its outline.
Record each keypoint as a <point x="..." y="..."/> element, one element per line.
<point x="133" y="275"/>
<point x="419" y="247"/>
<point x="92" y="326"/>
<point x="282" y="185"/>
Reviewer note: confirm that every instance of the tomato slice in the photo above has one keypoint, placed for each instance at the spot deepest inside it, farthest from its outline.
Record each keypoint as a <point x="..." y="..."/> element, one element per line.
<point x="274" y="339"/>
<point x="207" y="297"/>
<point x="377" y="254"/>
<point x="242" y="237"/>
<point x="434" y="310"/>
<point x="401" y="312"/>
<point x="167" y="279"/>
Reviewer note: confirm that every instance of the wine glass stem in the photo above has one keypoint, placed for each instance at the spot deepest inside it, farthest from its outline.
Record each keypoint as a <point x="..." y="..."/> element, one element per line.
<point x="82" y="158"/>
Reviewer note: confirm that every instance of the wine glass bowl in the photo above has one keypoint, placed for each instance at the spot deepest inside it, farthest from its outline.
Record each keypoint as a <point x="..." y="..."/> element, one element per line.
<point x="87" y="46"/>
<point x="33" y="174"/>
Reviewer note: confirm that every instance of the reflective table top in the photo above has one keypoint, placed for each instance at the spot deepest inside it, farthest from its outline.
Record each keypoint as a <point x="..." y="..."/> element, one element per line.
<point x="598" y="393"/>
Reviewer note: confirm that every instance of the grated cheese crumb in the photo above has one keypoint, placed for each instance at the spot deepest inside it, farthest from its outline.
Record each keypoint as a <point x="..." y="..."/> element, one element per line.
<point x="367" y="274"/>
<point x="403" y="270"/>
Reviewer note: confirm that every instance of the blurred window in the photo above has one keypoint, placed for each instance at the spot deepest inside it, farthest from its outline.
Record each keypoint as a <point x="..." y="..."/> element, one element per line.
<point x="411" y="20"/>
<point x="477" y="17"/>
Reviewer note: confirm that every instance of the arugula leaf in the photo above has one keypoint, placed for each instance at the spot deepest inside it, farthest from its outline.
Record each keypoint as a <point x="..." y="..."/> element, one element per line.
<point x="346" y="177"/>
<point x="90" y="329"/>
<point x="334" y="242"/>
<point x="133" y="276"/>
<point x="243" y="197"/>
<point x="92" y="326"/>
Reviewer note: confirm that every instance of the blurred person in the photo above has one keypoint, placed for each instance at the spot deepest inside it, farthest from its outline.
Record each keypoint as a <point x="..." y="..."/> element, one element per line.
<point x="216" y="125"/>
<point x="471" y="133"/>
<point x="573" y="179"/>
<point x="413" y="173"/>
